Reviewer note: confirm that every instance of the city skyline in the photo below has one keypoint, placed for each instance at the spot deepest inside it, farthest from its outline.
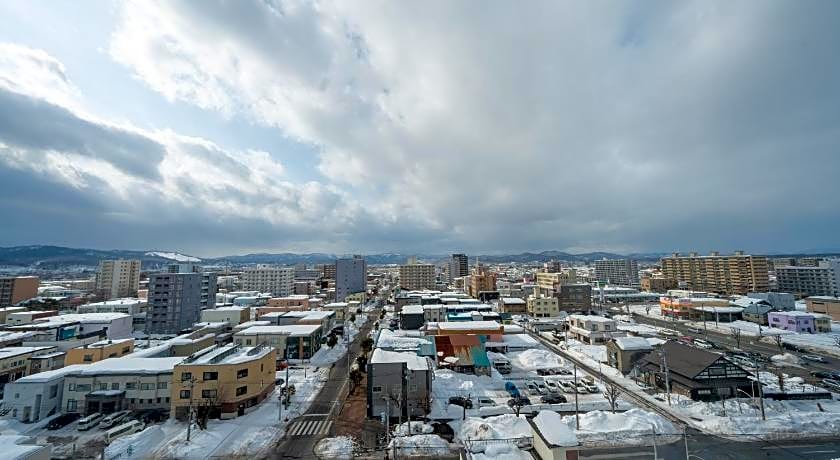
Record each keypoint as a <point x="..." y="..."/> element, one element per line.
<point x="235" y="128"/>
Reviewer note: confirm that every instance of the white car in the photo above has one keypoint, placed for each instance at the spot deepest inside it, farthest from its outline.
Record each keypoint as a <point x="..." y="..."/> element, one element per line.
<point x="486" y="402"/>
<point x="702" y="344"/>
<point x="814" y="358"/>
<point x="541" y="388"/>
<point x="532" y="387"/>
<point x="553" y="386"/>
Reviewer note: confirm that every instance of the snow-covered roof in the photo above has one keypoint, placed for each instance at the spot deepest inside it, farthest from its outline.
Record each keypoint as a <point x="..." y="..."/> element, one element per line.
<point x="123" y="301"/>
<point x="228" y="308"/>
<point x="229" y="354"/>
<point x="15" y="447"/>
<point x="554" y="430"/>
<point x="336" y="305"/>
<point x="512" y="300"/>
<point x="632" y="343"/>
<point x="791" y="313"/>
<point x="294" y="330"/>
<point x="592" y="318"/>
<point x="248" y="324"/>
<point x="412" y="310"/>
<point x="105" y="343"/>
<point x="400" y="340"/>
<point x="10" y="352"/>
<point x="128" y="365"/>
<point x="468" y="325"/>
<point x="412" y="361"/>
<point x="824" y="297"/>
<point x="719" y="309"/>
<point x="515" y="340"/>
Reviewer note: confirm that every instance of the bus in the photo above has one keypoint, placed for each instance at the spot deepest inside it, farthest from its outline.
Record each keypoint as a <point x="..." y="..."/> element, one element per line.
<point x="125" y="429"/>
<point x="113" y="419"/>
<point x="90" y="421"/>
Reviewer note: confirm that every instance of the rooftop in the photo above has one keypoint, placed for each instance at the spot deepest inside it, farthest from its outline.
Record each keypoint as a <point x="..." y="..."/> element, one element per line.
<point x="10" y="352"/>
<point x="412" y="361"/>
<point x="228" y="354"/>
<point x="792" y="313"/>
<point x="512" y="300"/>
<point x="632" y="343"/>
<point x="294" y="330"/>
<point x="468" y="325"/>
<point x="123" y="301"/>
<point x="412" y="310"/>
<point x="592" y="318"/>
<point x="105" y="343"/>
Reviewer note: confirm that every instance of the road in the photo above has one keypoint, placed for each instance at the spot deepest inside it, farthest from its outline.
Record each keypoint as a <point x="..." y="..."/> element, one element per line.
<point x="711" y="447"/>
<point x="747" y="344"/>
<point x="318" y="422"/>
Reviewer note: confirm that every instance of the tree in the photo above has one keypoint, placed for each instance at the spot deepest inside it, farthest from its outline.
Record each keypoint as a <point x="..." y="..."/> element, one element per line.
<point x="736" y="333"/>
<point x="778" y="339"/>
<point x="612" y="392"/>
<point x="837" y="340"/>
<point x="356" y="378"/>
<point x="353" y="318"/>
<point x="332" y="340"/>
<point x="367" y="345"/>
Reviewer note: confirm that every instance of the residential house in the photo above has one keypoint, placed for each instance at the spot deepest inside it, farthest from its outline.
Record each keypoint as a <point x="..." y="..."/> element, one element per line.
<point x="513" y="305"/>
<point x="796" y="321"/>
<point x="399" y="384"/>
<point x="295" y="341"/>
<point x="552" y="437"/>
<point x="98" y="351"/>
<point x="412" y="317"/>
<point x="624" y="352"/>
<point x="593" y="329"/>
<point x="463" y="353"/>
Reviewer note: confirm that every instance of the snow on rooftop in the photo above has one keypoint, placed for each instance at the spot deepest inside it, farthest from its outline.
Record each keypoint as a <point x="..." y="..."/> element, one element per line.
<point x="235" y="355"/>
<point x="413" y="309"/>
<point x="289" y="329"/>
<point x="513" y="300"/>
<point x="592" y="318"/>
<point x="412" y="361"/>
<point x="791" y="313"/>
<point x="468" y="325"/>
<point x="123" y="301"/>
<point x="130" y="365"/>
<point x="248" y="324"/>
<point x="400" y="340"/>
<point x="552" y="428"/>
<point x="632" y="343"/>
<point x="719" y="309"/>
<point x="103" y="343"/>
<point x="9" y="352"/>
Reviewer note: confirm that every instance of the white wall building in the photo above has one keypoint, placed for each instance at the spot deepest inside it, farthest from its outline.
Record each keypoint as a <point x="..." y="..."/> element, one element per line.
<point x="279" y="281"/>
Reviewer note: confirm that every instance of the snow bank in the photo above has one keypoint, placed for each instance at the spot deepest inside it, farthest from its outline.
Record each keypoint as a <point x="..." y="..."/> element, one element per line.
<point x="536" y="359"/>
<point x="786" y="359"/>
<point x="503" y="452"/>
<point x="553" y="429"/>
<point x="140" y="444"/>
<point x="506" y="426"/>
<point x="416" y="428"/>
<point x="421" y="444"/>
<point x="326" y="356"/>
<point x="633" y="427"/>
<point x="340" y="447"/>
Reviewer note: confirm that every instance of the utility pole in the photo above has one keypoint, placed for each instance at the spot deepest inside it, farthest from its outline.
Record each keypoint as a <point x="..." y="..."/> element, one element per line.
<point x="761" y="393"/>
<point x="667" y="378"/>
<point x="655" y="454"/>
<point x="685" y="440"/>
<point x="190" y="384"/>
<point x="577" y="408"/>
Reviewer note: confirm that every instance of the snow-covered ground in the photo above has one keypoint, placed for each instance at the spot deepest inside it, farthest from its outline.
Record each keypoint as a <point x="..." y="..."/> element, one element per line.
<point x="339" y="447"/>
<point x="747" y="328"/>
<point x="821" y="343"/>
<point x="246" y="435"/>
<point x="633" y="427"/>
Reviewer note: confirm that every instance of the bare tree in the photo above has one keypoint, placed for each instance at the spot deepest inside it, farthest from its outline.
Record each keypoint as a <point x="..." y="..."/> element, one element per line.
<point x="612" y="392"/>
<point x="837" y="340"/>
<point x="778" y="339"/>
<point x="736" y="334"/>
<point x="781" y="376"/>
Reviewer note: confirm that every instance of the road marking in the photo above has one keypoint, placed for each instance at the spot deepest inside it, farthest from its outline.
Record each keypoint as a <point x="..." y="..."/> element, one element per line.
<point x="621" y="455"/>
<point x="310" y="427"/>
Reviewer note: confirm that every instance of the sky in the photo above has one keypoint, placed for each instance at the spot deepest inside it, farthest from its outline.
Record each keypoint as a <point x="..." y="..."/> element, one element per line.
<point x="215" y="127"/>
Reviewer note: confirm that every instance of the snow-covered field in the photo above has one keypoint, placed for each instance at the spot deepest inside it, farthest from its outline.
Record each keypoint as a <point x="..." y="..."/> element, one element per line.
<point x="823" y="343"/>
<point x="747" y="328"/>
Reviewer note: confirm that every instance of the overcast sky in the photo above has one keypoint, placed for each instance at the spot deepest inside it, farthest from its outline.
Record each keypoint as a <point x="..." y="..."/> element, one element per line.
<point x="221" y="127"/>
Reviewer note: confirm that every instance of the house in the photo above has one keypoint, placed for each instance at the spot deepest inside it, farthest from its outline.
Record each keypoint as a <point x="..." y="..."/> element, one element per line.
<point x="295" y="341"/>
<point x="593" y="329"/>
<point x="23" y="316"/>
<point x="398" y="383"/>
<point x="225" y="382"/>
<point x="822" y="323"/>
<point x="341" y="310"/>
<point x="325" y="319"/>
<point x="463" y="353"/>
<point x="97" y="351"/>
<point x="513" y="305"/>
<point x="47" y="362"/>
<point x="624" y="352"/>
<point x="412" y="317"/>
<point x="465" y="328"/>
<point x="230" y="315"/>
<point x="6" y="311"/>
<point x="781" y="301"/>
<point x="405" y="340"/>
<point x="796" y="321"/>
<point x="698" y="374"/>
<point x="435" y="313"/>
<point x="552" y="437"/>
<point x="755" y="310"/>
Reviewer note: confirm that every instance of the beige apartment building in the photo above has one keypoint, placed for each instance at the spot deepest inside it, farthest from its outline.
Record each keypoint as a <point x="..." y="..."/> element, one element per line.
<point x="549" y="283"/>
<point x="482" y="281"/>
<point x="98" y="351"/>
<point x="14" y="289"/>
<point x="417" y="276"/>
<point x="304" y="302"/>
<point x="737" y="273"/>
<point x="825" y="305"/>
<point x="226" y="381"/>
<point x="280" y="281"/>
<point x="543" y="307"/>
<point x="118" y="278"/>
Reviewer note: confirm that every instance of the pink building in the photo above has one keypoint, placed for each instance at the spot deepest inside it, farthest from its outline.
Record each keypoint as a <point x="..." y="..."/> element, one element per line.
<point x="796" y="321"/>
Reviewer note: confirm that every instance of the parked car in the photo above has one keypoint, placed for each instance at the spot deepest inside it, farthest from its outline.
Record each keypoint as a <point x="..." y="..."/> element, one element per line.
<point x="532" y="387"/>
<point x="791" y="347"/>
<point x="669" y="332"/>
<point x="520" y="401"/>
<point x="541" y="388"/>
<point x="461" y="401"/>
<point x="546" y="371"/>
<point x="553" y="386"/>
<point x="591" y="387"/>
<point x="553" y="399"/>
<point x="114" y="419"/>
<point x="63" y="420"/>
<point x="832" y="384"/>
<point x="821" y="374"/>
<point x="814" y="358"/>
<point x="700" y="343"/>
<point x="567" y="386"/>
<point x="502" y="365"/>
<point x="510" y="387"/>
<point x="486" y="402"/>
<point x="581" y="388"/>
<point x="564" y="372"/>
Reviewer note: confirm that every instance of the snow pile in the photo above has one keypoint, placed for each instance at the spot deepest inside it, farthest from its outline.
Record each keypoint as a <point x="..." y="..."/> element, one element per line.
<point x="428" y="445"/>
<point x="633" y="427"/>
<point x="597" y="353"/>
<point x="786" y="359"/>
<point x="340" y="447"/>
<point x="746" y="328"/>
<point x="140" y="444"/>
<point x="823" y="343"/>
<point x="502" y="452"/>
<point x="326" y="356"/>
<point x="416" y="428"/>
<point x="506" y="426"/>
<point x="553" y="429"/>
<point x="536" y="359"/>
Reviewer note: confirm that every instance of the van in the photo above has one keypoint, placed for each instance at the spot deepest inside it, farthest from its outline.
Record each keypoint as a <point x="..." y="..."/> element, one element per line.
<point x="90" y="421"/>
<point x="112" y="419"/>
<point x="122" y="430"/>
<point x="502" y="365"/>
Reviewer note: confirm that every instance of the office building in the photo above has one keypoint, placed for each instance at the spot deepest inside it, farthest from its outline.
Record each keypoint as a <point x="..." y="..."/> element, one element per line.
<point x="543" y="307"/>
<point x="208" y="282"/>
<point x="350" y="277"/>
<point x="622" y="272"/>
<point x="174" y="303"/>
<point x="738" y="273"/>
<point x="14" y="289"/>
<point x="458" y="266"/>
<point x="279" y="281"/>
<point x="481" y="281"/>
<point x="575" y="297"/>
<point x="417" y="276"/>
<point x="118" y="278"/>
<point x="822" y="279"/>
<point x="824" y="305"/>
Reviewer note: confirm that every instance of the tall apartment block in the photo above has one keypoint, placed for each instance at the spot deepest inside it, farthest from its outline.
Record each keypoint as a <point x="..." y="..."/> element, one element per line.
<point x="458" y="266"/>
<point x="174" y="302"/>
<point x="350" y="277"/>
<point x="622" y="272"/>
<point x="820" y="280"/>
<point x="417" y="276"/>
<point x="118" y="278"/>
<point x="14" y="289"/>
<point x="737" y="273"/>
<point x="279" y="281"/>
<point x="209" y="281"/>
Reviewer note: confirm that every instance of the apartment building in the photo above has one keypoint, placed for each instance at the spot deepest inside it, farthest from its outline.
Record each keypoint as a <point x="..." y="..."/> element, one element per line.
<point x="549" y="283"/>
<point x="458" y="266"/>
<point x="824" y="305"/>
<point x="350" y="277"/>
<point x="738" y="273"/>
<point x="513" y="305"/>
<point x="543" y="307"/>
<point x="574" y="297"/>
<point x="175" y="301"/>
<point x="823" y="279"/>
<point x="279" y="281"/>
<point x="14" y="289"/>
<point x="14" y="362"/>
<point x="417" y="276"/>
<point x="98" y="351"/>
<point x="657" y="284"/>
<point x="594" y="330"/>
<point x="231" y="315"/>
<point x="481" y="281"/>
<point x="6" y="311"/>
<point x="209" y="282"/>
<point x="118" y="278"/>
<point x="622" y="272"/>
<point x="295" y="341"/>
<point x="224" y="382"/>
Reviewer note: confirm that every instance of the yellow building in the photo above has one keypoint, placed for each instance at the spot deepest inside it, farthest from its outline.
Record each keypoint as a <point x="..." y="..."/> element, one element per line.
<point x="223" y="382"/>
<point x="738" y="273"/>
<point x="98" y="351"/>
<point x="482" y="281"/>
<point x="543" y="307"/>
<point x="549" y="283"/>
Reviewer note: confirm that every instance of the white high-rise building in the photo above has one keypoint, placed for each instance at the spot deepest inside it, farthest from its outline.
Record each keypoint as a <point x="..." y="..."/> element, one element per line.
<point x="279" y="281"/>
<point x="623" y="272"/>
<point x="417" y="276"/>
<point x="118" y="278"/>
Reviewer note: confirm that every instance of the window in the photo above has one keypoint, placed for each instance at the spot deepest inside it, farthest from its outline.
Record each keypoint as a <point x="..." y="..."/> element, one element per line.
<point x="208" y="393"/>
<point x="88" y="358"/>
<point x="131" y="385"/>
<point x="112" y="355"/>
<point x="376" y="389"/>
<point x="241" y="390"/>
<point x="147" y="386"/>
<point x="53" y="391"/>
<point x="17" y="395"/>
<point x="71" y="387"/>
<point x="185" y="394"/>
<point x="126" y="350"/>
<point x="83" y="387"/>
<point x="211" y="376"/>
<point x="242" y="373"/>
<point x="115" y="386"/>
<point x="103" y="386"/>
<point x="71" y="405"/>
<point x="186" y="376"/>
<point x="161" y="385"/>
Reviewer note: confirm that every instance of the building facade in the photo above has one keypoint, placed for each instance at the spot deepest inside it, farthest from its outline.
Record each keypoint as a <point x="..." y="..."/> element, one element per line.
<point x="796" y="321"/>
<point x="118" y="278"/>
<point x="279" y="281"/>
<point x="399" y="384"/>
<point x="574" y="297"/>
<point x="417" y="276"/>
<point x="738" y="273"/>
<point x="174" y="303"/>
<point x="350" y="277"/>
<point x="594" y="330"/>
<point x="825" y="305"/>
<point x="654" y="284"/>
<point x="458" y="266"/>
<point x="623" y="272"/>
<point x="98" y="351"/>
<point x="543" y="307"/>
<point x="805" y="281"/>
<point x="14" y="289"/>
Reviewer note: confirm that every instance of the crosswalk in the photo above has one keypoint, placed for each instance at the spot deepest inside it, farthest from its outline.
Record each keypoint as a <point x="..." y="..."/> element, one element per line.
<point x="309" y="428"/>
